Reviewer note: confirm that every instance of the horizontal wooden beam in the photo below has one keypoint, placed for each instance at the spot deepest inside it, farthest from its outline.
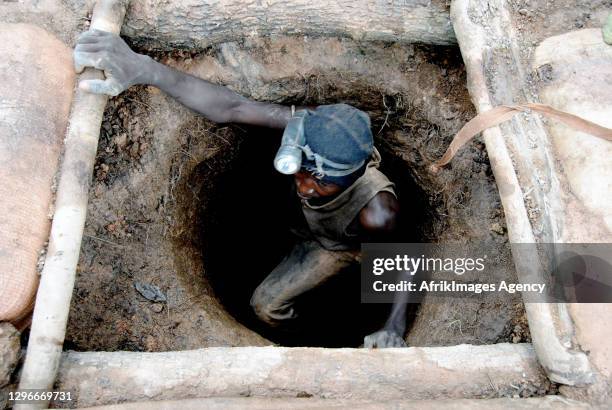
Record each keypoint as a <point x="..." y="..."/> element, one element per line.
<point x="463" y="371"/>
<point x="199" y="24"/>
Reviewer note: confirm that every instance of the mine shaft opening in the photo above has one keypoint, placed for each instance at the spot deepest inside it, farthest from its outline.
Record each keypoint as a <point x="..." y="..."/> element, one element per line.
<point x="244" y="207"/>
<point x="246" y="230"/>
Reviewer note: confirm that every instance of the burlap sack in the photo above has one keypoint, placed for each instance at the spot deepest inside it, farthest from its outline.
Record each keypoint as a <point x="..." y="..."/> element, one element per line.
<point x="578" y="67"/>
<point x="36" y="87"/>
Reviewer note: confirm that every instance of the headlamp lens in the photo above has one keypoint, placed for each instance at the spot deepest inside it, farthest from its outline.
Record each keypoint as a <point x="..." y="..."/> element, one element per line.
<point x="287" y="163"/>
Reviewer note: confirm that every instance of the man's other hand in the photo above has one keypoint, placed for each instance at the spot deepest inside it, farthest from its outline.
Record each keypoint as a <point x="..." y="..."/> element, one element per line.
<point x="108" y="52"/>
<point x="382" y="339"/>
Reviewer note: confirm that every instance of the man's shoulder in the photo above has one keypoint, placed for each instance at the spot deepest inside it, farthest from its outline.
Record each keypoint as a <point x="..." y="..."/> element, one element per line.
<point x="380" y="213"/>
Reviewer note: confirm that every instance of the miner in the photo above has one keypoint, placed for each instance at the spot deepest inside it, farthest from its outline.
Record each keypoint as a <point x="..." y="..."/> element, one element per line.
<point x="329" y="151"/>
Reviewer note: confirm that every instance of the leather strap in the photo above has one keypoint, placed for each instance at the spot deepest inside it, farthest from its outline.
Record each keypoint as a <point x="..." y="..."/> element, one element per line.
<point x="503" y="113"/>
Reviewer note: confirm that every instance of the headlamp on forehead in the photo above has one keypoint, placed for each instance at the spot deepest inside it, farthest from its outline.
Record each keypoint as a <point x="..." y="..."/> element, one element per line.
<point x="288" y="159"/>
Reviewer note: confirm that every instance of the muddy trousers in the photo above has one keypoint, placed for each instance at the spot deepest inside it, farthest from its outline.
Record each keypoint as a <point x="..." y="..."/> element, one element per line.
<point x="307" y="266"/>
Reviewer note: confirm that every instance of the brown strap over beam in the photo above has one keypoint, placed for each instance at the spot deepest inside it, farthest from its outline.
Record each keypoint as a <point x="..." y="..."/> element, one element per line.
<point x="503" y="113"/>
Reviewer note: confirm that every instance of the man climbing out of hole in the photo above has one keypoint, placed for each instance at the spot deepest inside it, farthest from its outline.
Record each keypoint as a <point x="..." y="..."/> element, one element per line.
<point x="345" y="199"/>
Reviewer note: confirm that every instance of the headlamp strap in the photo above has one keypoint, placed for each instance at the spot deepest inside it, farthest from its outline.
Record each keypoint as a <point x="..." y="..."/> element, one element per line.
<point x="339" y="170"/>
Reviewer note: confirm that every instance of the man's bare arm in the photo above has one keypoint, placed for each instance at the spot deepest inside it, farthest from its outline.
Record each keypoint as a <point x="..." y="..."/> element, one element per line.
<point x="124" y="68"/>
<point x="378" y="220"/>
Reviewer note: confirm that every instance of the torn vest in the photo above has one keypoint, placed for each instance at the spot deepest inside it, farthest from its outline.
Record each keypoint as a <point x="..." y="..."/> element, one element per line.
<point x="330" y="222"/>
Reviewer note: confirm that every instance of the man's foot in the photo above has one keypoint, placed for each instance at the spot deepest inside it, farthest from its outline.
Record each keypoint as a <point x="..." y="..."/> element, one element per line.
<point x="382" y="339"/>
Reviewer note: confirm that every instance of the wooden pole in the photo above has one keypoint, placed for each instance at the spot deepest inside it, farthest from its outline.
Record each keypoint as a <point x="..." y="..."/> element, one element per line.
<point x="58" y="275"/>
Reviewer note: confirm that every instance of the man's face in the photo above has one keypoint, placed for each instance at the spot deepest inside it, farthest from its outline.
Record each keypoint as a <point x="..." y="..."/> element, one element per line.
<point x="309" y="187"/>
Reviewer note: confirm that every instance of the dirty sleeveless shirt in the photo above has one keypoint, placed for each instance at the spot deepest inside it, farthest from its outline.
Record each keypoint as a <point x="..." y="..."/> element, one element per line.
<point x="329" y="223"/>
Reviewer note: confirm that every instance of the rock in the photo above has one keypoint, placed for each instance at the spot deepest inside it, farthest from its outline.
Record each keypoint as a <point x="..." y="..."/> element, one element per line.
<point x="497" y="228"/>
<point x="150" y="292"/>
<point x="157" y="307"/>
<point x="121" y="140"/>
<point x="9" y="351"/>
<point x="525" y="12"/>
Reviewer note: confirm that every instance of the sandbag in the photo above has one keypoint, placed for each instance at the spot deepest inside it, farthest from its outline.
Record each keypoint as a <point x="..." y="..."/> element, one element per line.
<point x="577" y="68"/>
<point x="36" y="87"/>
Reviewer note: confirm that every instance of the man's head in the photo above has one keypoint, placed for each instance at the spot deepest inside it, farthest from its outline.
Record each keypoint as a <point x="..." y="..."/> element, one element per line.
<point x="335" y="143"/>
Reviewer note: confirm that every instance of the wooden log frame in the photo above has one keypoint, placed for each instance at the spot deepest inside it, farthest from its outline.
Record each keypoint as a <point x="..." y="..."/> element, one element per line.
<point x="489" y="47"/>
<point x="199" y="24"/>
<point x="463" y="371"/>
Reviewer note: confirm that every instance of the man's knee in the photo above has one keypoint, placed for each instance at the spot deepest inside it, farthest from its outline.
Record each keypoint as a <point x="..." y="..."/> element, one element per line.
<point x="257" y="304"/>
<point x="260" y="305"/>
<point x="267" y="310"/>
